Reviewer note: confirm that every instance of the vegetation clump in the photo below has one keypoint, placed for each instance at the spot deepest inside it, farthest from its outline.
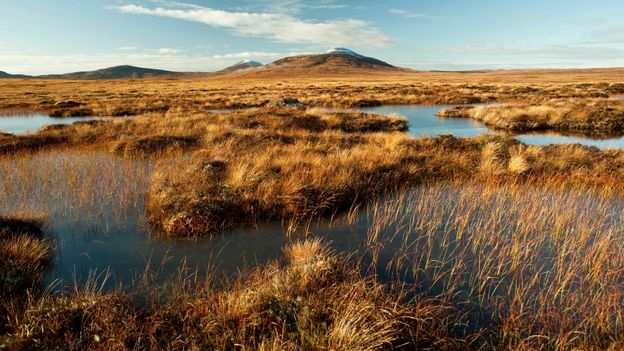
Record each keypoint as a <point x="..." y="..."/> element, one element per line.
<point x="586" y="119"/>
<point x="257" y="179"/>
<point x="314" y="301"/>
<point x="158" y="144"/>
<point x="24" y="252"/>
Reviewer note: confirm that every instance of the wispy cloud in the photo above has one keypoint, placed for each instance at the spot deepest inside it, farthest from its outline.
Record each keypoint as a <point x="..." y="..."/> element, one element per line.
<point x="279" y="27"/>
<point x="572" y="51"/>
<point x="259" y="55"/>
<point x="410" y="14"/>
<point x="290" y="6"/>
<point x="127" y="48"/>
<point x="247" y="55"/>
<point x="14" y="62"/>
<point x="613" y="35"/>
<point x="168" y="51"/>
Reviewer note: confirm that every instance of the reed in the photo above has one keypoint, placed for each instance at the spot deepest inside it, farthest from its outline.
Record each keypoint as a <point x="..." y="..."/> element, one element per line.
<point x="315" y="300"/>
<point x="530" y="267"/>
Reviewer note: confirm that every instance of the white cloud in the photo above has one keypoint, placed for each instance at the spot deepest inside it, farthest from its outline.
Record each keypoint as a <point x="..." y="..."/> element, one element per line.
<point x="279" y="27"/>
<point x="127" y="48"/>
<point x="168" y="51"/>
<point x="595" y="53"/>
<point x="410" y="14"/>
<point x="23" y="63"/>
<point x="289" y="6"/>
<point x="613" y="35"/>
<point x="246" y="55"/>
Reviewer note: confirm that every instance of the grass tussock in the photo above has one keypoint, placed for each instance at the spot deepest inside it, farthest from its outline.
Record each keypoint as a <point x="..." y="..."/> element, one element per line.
<point x="314" y="301"/>
<point x="586" y="118"/>
<point x="143" y="96"/>
<point x="183" y="130"/>
<point x="153" y="145"/>
<point x="24" y="252"/>
<point x="245" y="178"/>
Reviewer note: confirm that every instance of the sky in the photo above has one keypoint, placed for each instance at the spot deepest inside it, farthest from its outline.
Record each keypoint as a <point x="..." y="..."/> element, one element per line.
<point x="45" y="36"/>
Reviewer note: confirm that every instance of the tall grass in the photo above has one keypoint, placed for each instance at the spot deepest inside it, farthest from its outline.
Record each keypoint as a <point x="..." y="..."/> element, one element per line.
<point x="81" y="186"/>
<point x="314" y="300"/>
<point x="243" y="177"/>
<point x="530" y="267"/>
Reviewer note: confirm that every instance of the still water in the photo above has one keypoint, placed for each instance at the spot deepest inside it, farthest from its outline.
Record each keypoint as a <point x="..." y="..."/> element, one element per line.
<point x="96" y="216"/>
<point x="31" y="123"/>
<point x="424" y="122"/>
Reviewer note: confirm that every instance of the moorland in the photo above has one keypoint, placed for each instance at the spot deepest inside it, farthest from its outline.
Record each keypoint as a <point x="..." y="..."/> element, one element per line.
<point x="495" y="244"/>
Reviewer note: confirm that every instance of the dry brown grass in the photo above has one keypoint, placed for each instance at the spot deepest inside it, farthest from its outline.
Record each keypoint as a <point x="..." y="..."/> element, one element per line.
<point x="592" y="119"/>
<point x="242" y="177"/>
<point x="534" y="267"/>
<point x="183" y="130"/>
<point x="496" y="269"/>
<point x="24" y="251"/>
<point x="135" y="97"/>
<point x="315" y="301"/>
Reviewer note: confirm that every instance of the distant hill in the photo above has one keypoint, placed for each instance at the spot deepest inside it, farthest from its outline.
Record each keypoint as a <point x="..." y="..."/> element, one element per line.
<point x="334" y="57"/>
<point x="117" y="72"/>
<point x="8" y="75"/>
<point x="242" y="65"/>
<point x="335" y="61"/>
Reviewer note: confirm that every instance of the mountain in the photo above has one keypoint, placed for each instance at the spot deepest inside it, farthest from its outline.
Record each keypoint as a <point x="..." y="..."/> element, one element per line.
<point x="8" y="75"/>
<point x="242" y="65"/>
<point x="335" y="61"/>
<point x="117" y="72"/>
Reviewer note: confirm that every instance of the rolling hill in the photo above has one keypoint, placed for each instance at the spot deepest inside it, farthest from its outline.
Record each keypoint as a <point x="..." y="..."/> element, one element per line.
<point x="242" y="65"/>
<point x="117" y="72"/>
<point x="334" y="62"/>
<point x="8" y="75"/>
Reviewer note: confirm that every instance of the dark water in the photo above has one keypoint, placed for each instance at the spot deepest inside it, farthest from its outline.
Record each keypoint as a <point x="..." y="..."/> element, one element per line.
<point x="32" y="123"/>
<point x="127" y="248"/>
<point x="424" y="122"/>
<point x="96" y="215"/>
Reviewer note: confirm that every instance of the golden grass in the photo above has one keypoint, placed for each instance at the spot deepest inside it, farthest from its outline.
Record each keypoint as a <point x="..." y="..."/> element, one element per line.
<point x="135" y="97"/>
<point x="533" y="266"/>
<point x="242" y="177"/>
<point x="270" y="308"/>
<point x="24" y="253"/>
<point x="523" y="255"/>
<point x="598" y="118"/>
<point x="183" y="130"/>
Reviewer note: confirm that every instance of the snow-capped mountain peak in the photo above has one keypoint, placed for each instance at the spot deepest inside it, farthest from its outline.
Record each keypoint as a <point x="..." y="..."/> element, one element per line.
<point x="252" y="62"/>
<point x="342" y="51"/>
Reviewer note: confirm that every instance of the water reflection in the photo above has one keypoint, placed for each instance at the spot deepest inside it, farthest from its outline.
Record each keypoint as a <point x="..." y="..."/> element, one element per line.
<point x="32" y="123"/>
<point x="424" y="122"/>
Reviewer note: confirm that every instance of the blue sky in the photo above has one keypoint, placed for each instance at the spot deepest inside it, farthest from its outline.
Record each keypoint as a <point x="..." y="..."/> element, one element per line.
<point x="43" y="36"/>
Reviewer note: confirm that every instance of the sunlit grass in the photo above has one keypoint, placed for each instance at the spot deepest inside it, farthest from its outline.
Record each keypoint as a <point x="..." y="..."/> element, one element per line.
<point x="534" y="267"/>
